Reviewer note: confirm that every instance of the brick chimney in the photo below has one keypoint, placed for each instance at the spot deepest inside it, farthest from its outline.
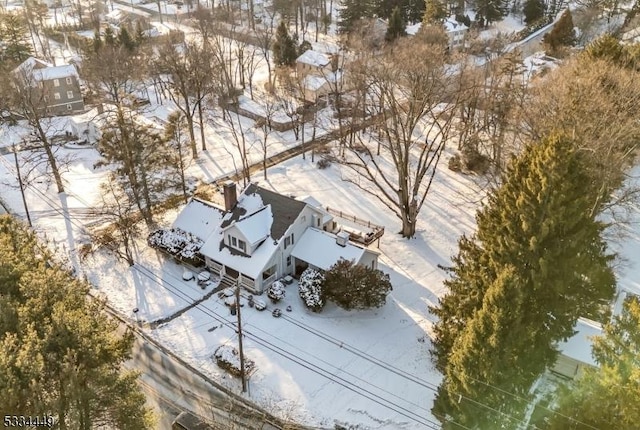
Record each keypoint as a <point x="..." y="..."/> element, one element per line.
<point x="230" y="195"/>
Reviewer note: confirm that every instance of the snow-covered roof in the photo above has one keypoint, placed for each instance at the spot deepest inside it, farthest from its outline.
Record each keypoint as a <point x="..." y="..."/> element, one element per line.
<point x="412" y="30"/>
<point x="252" y="266"/>
<point x="314" y="82"/>
<point x="314" y="58"/>
<point x="320" y="249"/>
<point x="256" y="226"/>
<point x="311" y="201"/>
<point x="199" y="218"/>
<point x="450" y="24"/>
<point x="58" y="72"/>
<point x="578" y="347"/>
<point x="42" y="71"/>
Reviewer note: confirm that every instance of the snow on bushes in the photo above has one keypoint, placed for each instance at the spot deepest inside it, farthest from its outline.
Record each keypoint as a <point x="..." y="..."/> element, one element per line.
<point x="176" y="242"/>
<point x="310" y="289"/>
<point x="228" y="358"/>
<point x="276" y="291"/>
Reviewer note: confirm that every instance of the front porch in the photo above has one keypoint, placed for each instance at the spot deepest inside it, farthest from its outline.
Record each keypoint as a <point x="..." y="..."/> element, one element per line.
<point x="256" y="286"/>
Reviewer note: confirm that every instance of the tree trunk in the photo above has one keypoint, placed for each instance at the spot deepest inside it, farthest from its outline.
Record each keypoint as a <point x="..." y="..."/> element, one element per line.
<point x="192" y="137"/>
<point x="51" y="159"/>
<point x="201" y="121"/>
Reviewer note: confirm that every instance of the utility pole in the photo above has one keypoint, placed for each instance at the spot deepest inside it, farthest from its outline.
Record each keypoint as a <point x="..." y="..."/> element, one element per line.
<point x="244" y="378"/>
<point x="24" y="200"/>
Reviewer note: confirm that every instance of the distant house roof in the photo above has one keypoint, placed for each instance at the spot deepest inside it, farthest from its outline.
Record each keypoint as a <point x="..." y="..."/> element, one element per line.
<point x="284" y="209"/>
<point x="320" y="249"/>
<point x="42" y="71"/>
<point x="578" y="347"/>
<point x="314" y="58"/>
<point x="199" y="218"/>
<point x="450" y="24"/>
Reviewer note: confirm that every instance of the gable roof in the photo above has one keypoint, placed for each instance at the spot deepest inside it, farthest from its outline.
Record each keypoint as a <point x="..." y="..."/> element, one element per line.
<point x="42" y="71"/>
<point x="314" y="58"/>
<point x="256" y="227"/>
<point x="284" y="209"/>
<point x="199" y="218"/>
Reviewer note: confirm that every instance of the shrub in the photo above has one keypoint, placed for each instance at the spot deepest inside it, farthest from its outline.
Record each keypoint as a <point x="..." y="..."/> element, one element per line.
<point x="353" y="286"/>
<point x="276" y="291"/>
<point x="228" y="358"/>
<point x="310" y="289"/>
<point x="323" y="163"/>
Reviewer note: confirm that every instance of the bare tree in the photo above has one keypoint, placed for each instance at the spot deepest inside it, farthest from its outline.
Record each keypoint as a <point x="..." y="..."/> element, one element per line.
<point x="592" y="101"/>
<point x="26" y="96"/>
<point x="187" y="76"/>
<point x="265" y="40"/>
<point x="420" y="97"/>
<point x="269" y="109"/>
<point x="116" y="209"/>
<point x="173" y="133"/>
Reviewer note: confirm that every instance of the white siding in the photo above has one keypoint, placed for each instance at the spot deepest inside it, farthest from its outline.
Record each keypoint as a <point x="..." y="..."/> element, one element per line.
<point x="369" y="258"/>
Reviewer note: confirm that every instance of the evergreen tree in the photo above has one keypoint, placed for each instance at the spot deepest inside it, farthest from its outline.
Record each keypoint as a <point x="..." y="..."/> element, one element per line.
<point x="562" y="34"/>
<point x="533" y="11"/>
<point x="109" y="37"/>
<point x="60" y="354"/>
<point x="13" y="33"/>
<point x="125" y="40"/>
<point x="352" y="11"/>
<point x="609" y="48"/>
<point x="284" y="47"/>
<point x="607" y="397"/>
<point x="353" y="286"/>
<point x="97" y="42"/>
<point x="396" y="26"/>
<point x="488" y="11"/>
<point x="535" y="265"/>
<point x="435" y="11"/>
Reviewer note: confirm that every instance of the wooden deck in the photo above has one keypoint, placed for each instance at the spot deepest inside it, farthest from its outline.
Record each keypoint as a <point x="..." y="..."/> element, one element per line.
<point x="375" y="233"/>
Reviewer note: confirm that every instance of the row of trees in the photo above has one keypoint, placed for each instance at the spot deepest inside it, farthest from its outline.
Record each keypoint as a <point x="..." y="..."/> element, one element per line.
<point x="61" y="356"/>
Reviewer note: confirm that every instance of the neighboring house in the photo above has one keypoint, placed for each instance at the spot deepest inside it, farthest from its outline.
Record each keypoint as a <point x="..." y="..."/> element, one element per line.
<point x="319" y="74"/>
<point x="261" y="236"/>
<point x="57" y="87"/>
<point x="575" y="352"/>
<point x="456" y="32"/>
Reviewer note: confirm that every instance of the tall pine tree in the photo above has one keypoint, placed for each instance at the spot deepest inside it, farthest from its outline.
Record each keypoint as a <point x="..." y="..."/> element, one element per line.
<point x="60" y="355"/>
<point x="284" y="47"/>
<point x="535" y="265"/>
<point x="488" y="11"/>
<point x="352" y="11"/>
<point x="607" y="397"/>
<point x="397" y="26"/>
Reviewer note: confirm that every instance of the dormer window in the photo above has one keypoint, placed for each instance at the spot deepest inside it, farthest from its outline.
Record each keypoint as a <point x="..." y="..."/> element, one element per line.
<point x="234" y="242"/>
<point x="242" y="245"/>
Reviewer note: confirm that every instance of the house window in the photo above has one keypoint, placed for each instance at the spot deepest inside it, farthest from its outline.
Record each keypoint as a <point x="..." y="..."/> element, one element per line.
<point x="69" y="94"/>
<point x="304" y="218"/>
<point x="318" y="222"/>
<point x="292" y="242"/>
<point x="234" y="241"/>
<point x="242" y="245"/>
<point x="69" y="81"/>
<point x="287" y="242"/>
<point x="56" y="96"/>
<point x="289" y="261"/>
<point x="69" y="107"/>
<point x="56" y="82"/>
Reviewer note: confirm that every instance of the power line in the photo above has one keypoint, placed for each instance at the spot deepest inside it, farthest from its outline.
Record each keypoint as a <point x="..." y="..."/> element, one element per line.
<point x="188" y="300"/>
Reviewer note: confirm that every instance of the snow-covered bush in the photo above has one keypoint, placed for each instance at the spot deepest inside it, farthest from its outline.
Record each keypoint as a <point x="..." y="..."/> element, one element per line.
<point x="276" y="291"/>
<point x="310" y="289"/>
<point x="176" y="242"/>
<point x="228" y="358"/>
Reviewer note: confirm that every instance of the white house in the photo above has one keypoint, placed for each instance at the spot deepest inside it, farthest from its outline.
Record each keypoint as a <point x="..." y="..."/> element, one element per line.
<point x="319" y="74"/>
<point x="261" y="236"/>
<point x="456" y="31"/>
<point x="575" y="352"/>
